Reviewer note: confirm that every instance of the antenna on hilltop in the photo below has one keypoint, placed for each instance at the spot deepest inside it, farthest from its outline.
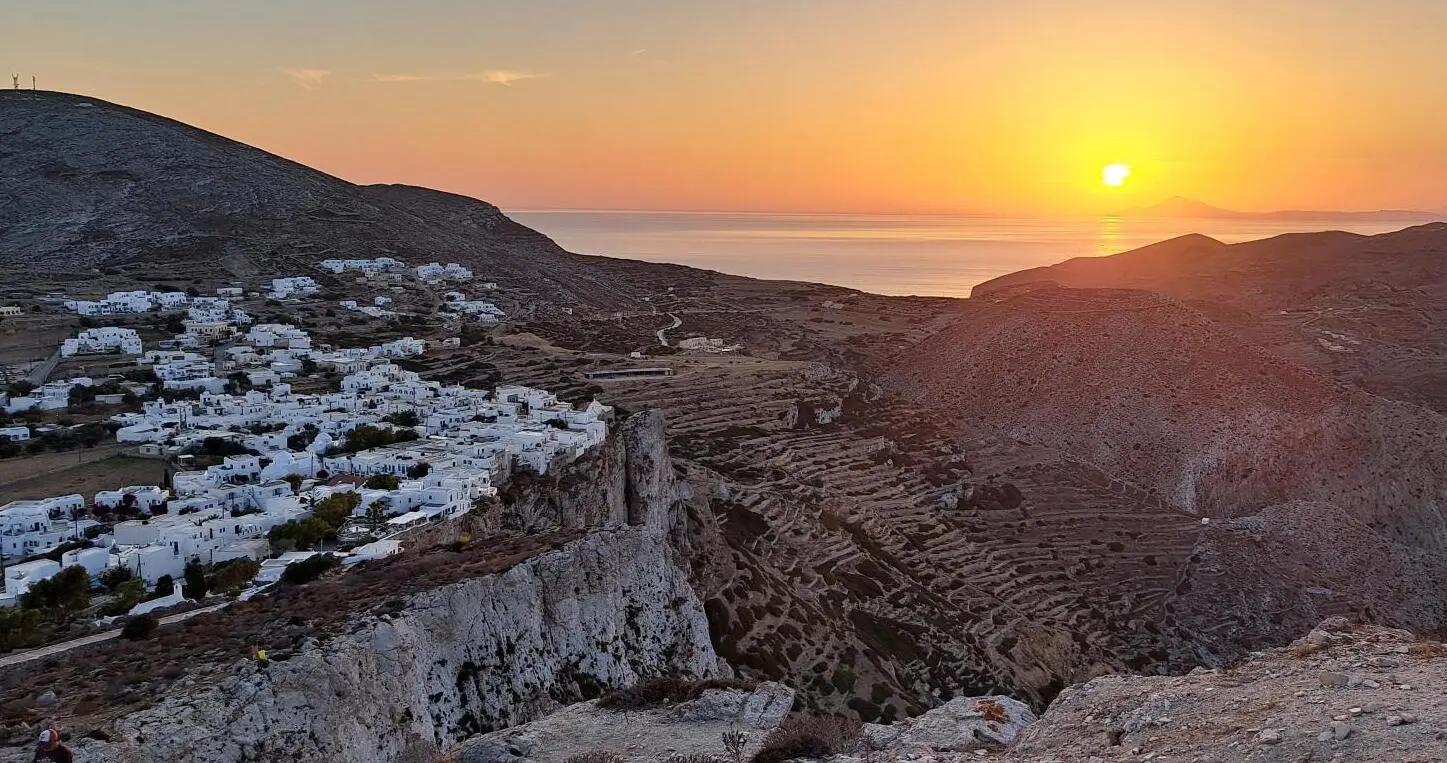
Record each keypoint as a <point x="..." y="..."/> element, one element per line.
<point x="32" y="82"/>
<point x="15" y="79"/>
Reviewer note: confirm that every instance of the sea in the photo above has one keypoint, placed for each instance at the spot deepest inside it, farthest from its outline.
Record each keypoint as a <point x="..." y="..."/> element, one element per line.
<point x="926" y="255"/>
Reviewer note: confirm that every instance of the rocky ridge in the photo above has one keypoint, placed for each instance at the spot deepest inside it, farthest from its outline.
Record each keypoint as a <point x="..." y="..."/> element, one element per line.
<point x="426" y="670"/>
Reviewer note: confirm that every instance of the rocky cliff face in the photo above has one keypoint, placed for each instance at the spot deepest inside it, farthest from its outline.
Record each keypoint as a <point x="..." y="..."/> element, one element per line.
<point x="464" y="658"/>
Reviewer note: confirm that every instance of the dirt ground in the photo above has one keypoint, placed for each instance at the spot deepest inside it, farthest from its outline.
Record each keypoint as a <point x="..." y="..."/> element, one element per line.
<point x="82" y="471"/>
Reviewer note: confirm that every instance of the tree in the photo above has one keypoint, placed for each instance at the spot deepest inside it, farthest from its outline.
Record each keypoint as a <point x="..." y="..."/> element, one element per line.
<point x="165" y="586"/>
<point x="366" y="437"/>
<point x="20" y="388"/>
<point x="67" y="591"/>
<point x="114" y="576"/>
<point x="195" y="585"/>
<point x="300" y="534"/>
<point x="380" y="482"/>
<point x="376" y="517"/>
<point x="81" y="394"/>
<point x="19" y="628"/>
<point x="129" y="594"/>
<point x="419" y="470"/>
<point x="140" y="627"/>
<point x="233" y="576"/>
<point x="403" y="419"/>
<point x="336" y="508"/>
<point x="295" y="481"/>
<point x="308" y="570"/>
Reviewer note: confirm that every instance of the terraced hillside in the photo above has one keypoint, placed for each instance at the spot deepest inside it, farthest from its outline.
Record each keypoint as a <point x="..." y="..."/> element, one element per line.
<point x="893" y="499"/>
<point x="1153" y="391"/>
<point x="846" y="540"/>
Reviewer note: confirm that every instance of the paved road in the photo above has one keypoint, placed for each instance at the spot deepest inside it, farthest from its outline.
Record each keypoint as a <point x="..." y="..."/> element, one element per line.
<point x="66" y="646"/>
<point x="40" y="373"/>
<point x="677" y="321"/>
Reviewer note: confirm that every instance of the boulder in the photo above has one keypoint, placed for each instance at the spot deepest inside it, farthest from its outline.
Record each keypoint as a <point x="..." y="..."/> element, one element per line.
<point x="763" y="708"/>
<point x="513" y="748"/>
<point x="968" y="723"/>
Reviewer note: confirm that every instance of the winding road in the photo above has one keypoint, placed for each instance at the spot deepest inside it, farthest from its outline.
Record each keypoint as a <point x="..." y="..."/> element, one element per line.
<point x="677" y="321"/>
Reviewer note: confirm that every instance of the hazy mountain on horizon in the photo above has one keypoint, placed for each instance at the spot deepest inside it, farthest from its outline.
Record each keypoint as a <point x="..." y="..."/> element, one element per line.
<point x="1180" y="206"/>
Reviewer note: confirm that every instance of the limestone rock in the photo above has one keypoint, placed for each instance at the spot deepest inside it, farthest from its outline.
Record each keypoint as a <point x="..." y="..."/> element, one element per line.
<point x="763" y="708"/>
<point x="963" y="724"/>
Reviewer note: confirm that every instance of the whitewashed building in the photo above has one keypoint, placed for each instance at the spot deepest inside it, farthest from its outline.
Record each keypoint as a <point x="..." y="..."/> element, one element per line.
<point x="103" y="339"/>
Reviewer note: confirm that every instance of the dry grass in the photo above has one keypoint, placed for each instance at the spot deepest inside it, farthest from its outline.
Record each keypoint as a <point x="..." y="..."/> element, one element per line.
<point x="596" y="756"/>
<point x="1427" y="649"/>
<point x="1306" y="649"/>
<point x="814" y="736"/>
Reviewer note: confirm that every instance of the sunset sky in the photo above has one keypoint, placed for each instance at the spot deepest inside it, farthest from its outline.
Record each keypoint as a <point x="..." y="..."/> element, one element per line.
<point x="792" y="105"/>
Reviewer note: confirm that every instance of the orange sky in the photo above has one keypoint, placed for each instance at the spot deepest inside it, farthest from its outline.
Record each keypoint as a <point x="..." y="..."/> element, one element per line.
<point x="793" y="105"/>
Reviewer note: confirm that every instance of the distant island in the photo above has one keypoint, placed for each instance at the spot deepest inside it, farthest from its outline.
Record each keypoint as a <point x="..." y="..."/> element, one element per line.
<point x="1178" y="206"/>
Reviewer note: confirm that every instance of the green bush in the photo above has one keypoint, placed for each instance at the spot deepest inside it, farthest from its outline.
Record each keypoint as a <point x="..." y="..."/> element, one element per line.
<point x="307" y="570"/>
<point x="380" y="482"/>
<point x="114" y="576"/>
<point x="140" y="627"/>
<point x="69" y="590"/>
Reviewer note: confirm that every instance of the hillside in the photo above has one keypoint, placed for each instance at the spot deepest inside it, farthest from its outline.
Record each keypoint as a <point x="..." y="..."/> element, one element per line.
<point x="1366" y="310"/>
<point x="889" y="501"/>
<point x="86" y="184"/>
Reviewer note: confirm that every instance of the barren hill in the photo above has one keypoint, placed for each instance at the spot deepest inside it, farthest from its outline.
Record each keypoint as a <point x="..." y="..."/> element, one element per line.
<point x="1370" y="310"/>
<point x="85" y="183"/>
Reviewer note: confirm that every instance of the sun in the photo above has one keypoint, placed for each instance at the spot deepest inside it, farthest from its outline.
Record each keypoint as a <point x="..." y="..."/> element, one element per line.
<point x="1114" y="175"/>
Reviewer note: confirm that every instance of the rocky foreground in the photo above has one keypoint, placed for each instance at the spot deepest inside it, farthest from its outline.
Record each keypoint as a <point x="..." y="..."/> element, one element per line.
<point x="1344" y="693"/>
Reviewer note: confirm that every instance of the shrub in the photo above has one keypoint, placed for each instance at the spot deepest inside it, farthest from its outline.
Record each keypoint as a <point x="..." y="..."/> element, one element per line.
<point x="165" y="586"/>
<point x="813" y="736"/>
<point x="69" y="590"/>
<point x="140" y="627"/>
<point x="380" y="482"/>
<point x="596" y="756"/>
<point x="234" y="575"/>
<point x="308" y="570"/>
<point x="656" y="691"/>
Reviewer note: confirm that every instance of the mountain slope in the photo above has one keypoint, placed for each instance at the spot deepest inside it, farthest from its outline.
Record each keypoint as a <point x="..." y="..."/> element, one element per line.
<point x="1368" y="310"/>
<point x="85" y="183"/>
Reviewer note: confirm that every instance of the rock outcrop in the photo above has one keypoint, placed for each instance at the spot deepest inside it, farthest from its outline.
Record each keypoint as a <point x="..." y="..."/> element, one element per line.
<point x="461" y="659"/>
<point x="654" y="735"/>
<point x="1342" y="693"/>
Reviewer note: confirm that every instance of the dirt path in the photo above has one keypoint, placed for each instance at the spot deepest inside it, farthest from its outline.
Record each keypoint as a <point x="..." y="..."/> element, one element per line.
<point x="66" y="646"/>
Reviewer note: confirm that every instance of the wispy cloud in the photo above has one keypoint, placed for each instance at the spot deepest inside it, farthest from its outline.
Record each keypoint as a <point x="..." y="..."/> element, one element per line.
<point x="639" y="52"/>
<point x="310" y="79"/>
<point x="504" y="77"/>
<point x="403" y="77"/>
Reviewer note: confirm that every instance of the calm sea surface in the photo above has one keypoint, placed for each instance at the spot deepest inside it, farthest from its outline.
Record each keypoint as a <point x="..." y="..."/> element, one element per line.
<point x="885" y="254"/>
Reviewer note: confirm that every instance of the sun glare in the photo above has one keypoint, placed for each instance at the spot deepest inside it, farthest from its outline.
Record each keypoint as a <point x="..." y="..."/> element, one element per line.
<point x="1114" y="175"/>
